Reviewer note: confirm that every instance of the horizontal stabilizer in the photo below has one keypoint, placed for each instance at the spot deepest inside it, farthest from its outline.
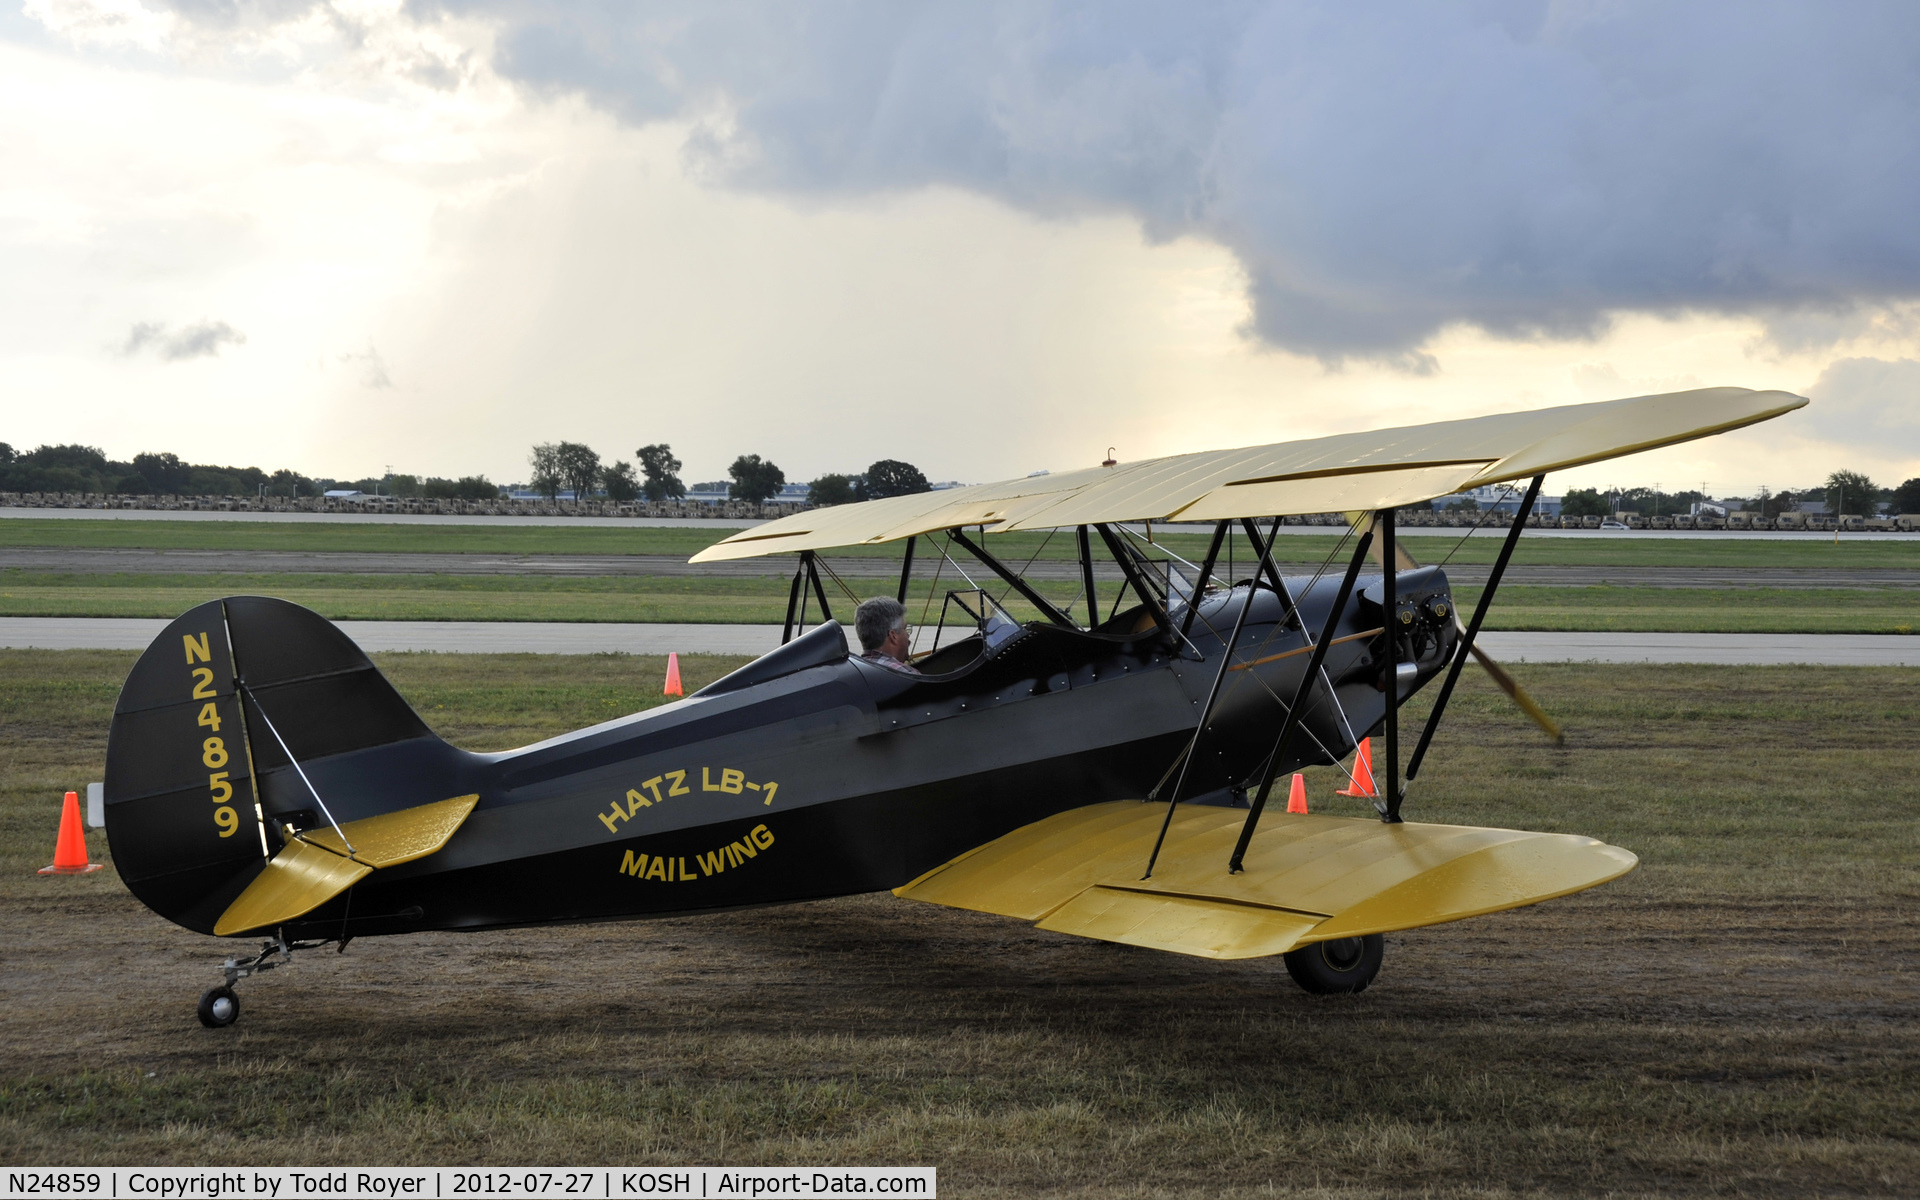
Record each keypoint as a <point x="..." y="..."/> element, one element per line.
<point x="397" y="837"/>
<point x="314" y="869"/>
<point x="298" y="880"/>
<point x="1307" y="878"/>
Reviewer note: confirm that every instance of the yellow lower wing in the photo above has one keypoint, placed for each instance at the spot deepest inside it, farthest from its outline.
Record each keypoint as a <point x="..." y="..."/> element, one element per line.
<point x="1307" y="878"/>
<point x="315" y="868"/>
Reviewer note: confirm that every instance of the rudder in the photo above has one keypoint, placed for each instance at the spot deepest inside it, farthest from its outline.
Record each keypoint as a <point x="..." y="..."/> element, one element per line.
<point x="197" y="779"/>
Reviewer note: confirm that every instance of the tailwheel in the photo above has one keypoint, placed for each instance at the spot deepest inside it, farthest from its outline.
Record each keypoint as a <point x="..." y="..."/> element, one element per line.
<point x="219" y="1007"/>
<point x="1339" y="967"/>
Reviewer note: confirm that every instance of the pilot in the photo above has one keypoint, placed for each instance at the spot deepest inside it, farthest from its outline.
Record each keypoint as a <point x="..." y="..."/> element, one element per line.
<point x="882" y="625"/>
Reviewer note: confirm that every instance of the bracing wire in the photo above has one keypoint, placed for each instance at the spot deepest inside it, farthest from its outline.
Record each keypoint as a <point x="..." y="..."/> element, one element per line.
<point x="835" y="576"/>
<point x="1025" y="567"/>
<point x="1498" y="501"/>
<point x="933" y="589"/>
<point x="1318" y="574"/>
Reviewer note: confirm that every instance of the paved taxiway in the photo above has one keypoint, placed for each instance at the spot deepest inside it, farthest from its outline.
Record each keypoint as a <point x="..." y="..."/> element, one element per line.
<point x="553" y="637"/>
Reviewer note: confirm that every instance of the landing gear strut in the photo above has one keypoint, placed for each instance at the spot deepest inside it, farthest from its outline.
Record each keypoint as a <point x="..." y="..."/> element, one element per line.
<point x="219" y="1007"/>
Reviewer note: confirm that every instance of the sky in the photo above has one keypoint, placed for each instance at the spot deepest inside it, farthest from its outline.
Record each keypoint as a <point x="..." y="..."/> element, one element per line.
<point x="986" y="238"/>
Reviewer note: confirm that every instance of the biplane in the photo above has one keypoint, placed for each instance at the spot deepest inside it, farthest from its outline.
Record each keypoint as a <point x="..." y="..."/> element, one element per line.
<point x="1102" y="769"/>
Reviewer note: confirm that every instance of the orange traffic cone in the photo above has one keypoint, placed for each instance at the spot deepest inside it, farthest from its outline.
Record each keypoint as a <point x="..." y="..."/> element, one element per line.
<point x="1363" y="785"/>
<point x="1297" y="795"/>
<point x="70" y="851"/>
<point x="673" y="677"/>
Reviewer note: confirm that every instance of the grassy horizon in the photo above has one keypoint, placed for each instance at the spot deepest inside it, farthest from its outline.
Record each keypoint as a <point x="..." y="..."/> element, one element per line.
<point x="1853" y="550"/>
<point x="763" y="600"/>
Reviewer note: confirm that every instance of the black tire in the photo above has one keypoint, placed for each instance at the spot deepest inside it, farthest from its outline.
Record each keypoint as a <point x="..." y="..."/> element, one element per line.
<point x="219" y="1008"/>
<point x="1339" y="967"/>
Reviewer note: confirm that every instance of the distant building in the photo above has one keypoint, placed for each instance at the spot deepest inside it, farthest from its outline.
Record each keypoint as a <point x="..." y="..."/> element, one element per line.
<point x="1501" y="499"/>
<point x="345" y="494"/>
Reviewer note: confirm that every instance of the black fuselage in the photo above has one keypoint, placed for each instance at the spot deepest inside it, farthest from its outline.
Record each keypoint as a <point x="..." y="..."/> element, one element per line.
<point x="810" y="773"/>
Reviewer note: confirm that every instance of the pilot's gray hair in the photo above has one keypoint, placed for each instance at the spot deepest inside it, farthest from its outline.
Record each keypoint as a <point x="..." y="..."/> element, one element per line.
<point x="876" y="618"/>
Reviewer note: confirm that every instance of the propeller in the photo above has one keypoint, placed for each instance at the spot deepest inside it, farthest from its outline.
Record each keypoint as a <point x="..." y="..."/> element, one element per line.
<point x="1507" y="683"/>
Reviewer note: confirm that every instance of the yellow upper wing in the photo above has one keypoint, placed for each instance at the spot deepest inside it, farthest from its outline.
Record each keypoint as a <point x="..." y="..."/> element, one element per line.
<point x="1351" y="471"/>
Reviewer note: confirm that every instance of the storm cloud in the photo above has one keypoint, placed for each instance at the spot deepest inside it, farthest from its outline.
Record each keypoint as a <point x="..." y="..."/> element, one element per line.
<point x="1381" y="173"/>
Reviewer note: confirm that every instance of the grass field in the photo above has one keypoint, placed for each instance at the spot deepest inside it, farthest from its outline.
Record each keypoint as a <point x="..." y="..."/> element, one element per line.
<point x="1735" y="1018"/>
<point x="709" y="599"/>
<point x="1856" y="550"/>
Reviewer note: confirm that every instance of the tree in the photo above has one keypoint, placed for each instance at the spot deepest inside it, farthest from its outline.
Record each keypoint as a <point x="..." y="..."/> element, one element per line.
<point x="290" y="483"/>
<point x="546" y="470"/>
<point x="467" y="487"/>
<point x="1906" y="497"/>
<point x="891" y="477"/>
<point x="165" y="473"/>
<point x="754" y="479"/>
<point x="622" y="484"/>
<point x="403" y="485"/>
<point x="1851" y="489"/>
<point x="1584" y="502"/>
<point x="661" y="468"/>
<point x="831" y="489"/>
<point x="565" y="466"/>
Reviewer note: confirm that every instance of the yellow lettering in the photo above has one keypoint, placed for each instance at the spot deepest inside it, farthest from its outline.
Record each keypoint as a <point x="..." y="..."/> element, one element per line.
<point x="754" y="786"/>
<point x="679" y="787"/>
<point x="218" y="785"/>
<point x="713" y="864"/>
<point x="609" y="818"/>
<point x="197" y="650"/>
<point x="706" y="783"/>
<point x="633" y="864"/>
<point x="636" y="802"/>
<point x="203" y="684"/>
<point x="657" y="869"/>
<point x="730" y="780"/>
<point x="209" y="716"/>
<point x="684" y="873"/>
<point x="653" y="785"/>
<point x="213" y="752"/>
<point x="744" y="848"/>
<point x="762" y="836"/>
<point x="771" y="789"/>
<point x="227" y="819"/>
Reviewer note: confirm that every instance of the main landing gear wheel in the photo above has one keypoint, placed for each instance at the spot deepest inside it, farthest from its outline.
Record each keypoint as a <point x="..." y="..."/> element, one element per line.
<point x="219" y="1007"/>
<point x="1339" y="967"/>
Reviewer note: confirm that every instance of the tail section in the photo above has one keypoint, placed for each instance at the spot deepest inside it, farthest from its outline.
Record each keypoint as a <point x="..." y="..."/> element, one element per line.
<point x="201" y="783"/>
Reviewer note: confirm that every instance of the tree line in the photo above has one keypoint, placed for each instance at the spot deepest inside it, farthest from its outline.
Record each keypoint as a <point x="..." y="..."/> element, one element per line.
<point x="1848" y="491"/>
<point x="87" y="469"/>
<point x="577" y="468"/>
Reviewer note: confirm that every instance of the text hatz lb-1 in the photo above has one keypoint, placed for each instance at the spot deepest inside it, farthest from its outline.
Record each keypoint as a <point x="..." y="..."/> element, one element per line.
<point x="263" y="778"/>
